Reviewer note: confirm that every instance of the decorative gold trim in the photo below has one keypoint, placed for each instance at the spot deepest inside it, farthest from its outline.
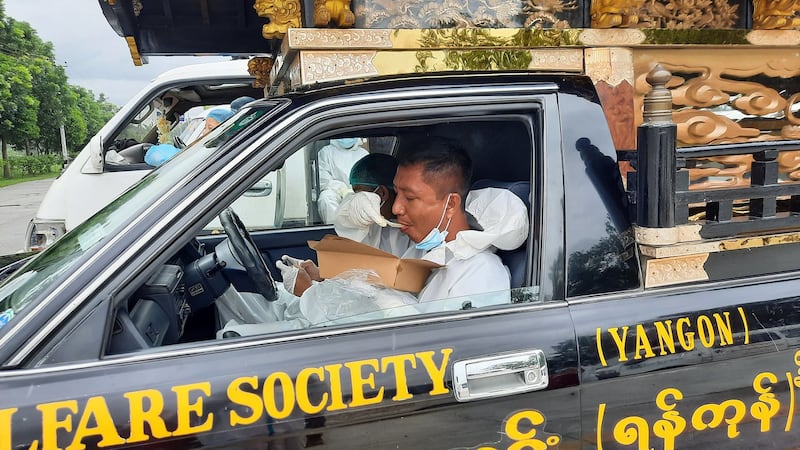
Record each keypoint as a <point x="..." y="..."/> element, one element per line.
<point x="666" y="236"/>
<point x="613" y="36"/>
<point x="282" y="15"/>
<point x="719" y="245"/>
<point x="322" y="66"/>
<point x="612" y="65"/>
<point x="774" y="37"/>
<point x="680" y="269"/>
<point x="557" y="59"/>
<point x="134" y="49"/>
<point x="305" y="38"/>
<point x="776" y="14"/>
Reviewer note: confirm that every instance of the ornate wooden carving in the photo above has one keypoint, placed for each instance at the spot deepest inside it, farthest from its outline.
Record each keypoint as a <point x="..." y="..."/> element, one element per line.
<point x="544" y="13"/>
<point x="466" y="14"/>
<point x="615" y="13"/>
<point x="776" y="14"/>
<point x="260" y="68"/>
<point x="668" y="14"/>
<point x="336" y="11"/>
<point x="282" y="15"/>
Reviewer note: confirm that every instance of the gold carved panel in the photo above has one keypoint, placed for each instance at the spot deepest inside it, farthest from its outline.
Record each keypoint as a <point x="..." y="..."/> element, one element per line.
<point x="466" y="13"/>
<point x="335" y="12"/>
<point x="674" y="270"/>
<point x="320" y="66"/>
<point x="304" y="38"/>
<point x="282" y="15"/>
<point x="776" y="14"/>
<point x="741" y="90"/>
<point x="729" y="95"/>
<point x="667" y="14"/>
<point x="260" y="68"/>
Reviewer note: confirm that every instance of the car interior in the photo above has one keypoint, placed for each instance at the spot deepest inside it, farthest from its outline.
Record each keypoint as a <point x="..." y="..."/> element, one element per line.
<point x="182" y="301"/>
<point x="173" y="114"/>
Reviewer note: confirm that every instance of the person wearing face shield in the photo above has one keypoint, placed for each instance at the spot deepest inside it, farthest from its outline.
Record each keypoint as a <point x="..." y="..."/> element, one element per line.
<point x="335" y="161"/>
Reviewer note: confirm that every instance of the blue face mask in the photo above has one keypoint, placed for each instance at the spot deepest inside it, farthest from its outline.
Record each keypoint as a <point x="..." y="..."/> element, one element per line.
<point x="435" y="238"/>
<point x="345" y="142"/>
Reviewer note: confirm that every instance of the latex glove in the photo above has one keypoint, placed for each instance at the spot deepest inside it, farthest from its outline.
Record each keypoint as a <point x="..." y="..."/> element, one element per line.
<point x="297" y="274"/>
<point x="339" y="188"/>
<point x="289" y="273"/>
<point x="361" y="210"/>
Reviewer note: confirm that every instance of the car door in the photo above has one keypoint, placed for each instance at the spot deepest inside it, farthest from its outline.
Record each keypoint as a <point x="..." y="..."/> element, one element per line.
<point x="693" y="368"/>
<point x="492" y="370"/>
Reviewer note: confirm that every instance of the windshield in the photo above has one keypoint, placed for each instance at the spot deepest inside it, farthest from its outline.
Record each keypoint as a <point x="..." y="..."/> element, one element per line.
<point x="22" y="289"/>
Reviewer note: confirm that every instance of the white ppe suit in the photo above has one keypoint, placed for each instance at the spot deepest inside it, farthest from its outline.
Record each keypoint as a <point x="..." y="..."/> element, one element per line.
<point x="335" y="161"/>
<point x="470" y="268"/>
<point x="470" y="265"/>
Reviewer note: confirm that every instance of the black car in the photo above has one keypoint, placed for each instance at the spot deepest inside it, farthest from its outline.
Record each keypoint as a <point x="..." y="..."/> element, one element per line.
<point x="115" y="336"/>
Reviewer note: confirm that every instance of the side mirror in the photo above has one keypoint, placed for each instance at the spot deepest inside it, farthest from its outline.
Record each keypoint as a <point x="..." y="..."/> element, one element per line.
<point x="94" y="164"/>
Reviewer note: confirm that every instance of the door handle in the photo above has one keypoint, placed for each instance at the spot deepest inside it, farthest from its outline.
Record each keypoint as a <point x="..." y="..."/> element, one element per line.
<point x="499" y="375"/>
<point x="260" y="189"/>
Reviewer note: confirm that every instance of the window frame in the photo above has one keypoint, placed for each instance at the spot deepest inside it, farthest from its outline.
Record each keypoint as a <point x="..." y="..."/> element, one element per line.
<point x="326" y="124"/>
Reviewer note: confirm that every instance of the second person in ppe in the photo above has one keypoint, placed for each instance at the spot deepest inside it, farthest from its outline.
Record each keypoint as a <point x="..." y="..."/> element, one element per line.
<point x="335" y="161"/>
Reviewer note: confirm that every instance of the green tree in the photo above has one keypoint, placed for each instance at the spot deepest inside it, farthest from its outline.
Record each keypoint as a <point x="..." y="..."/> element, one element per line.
<point x="18" y="116"/>
<point x="51" y="89"/>
<point x="36" y="98"/>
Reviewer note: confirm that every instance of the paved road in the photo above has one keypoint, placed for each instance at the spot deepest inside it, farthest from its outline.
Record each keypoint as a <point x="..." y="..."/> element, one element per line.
<point x="18" y="204"/>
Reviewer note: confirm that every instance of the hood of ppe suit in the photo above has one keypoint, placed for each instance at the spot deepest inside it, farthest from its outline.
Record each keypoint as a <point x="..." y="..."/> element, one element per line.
<point x="345" y="143"/>
<point x="504" y="218"/>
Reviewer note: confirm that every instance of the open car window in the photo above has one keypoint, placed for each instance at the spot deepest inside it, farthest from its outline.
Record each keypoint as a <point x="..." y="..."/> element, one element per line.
<point x="207" y="291"/>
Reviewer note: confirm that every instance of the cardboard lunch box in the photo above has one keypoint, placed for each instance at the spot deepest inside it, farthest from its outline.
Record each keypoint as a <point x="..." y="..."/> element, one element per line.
<point x="336" y="254"/>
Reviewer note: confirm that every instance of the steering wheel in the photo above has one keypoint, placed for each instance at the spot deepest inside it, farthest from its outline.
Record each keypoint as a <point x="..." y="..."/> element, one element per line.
<point x="246" y="251"/>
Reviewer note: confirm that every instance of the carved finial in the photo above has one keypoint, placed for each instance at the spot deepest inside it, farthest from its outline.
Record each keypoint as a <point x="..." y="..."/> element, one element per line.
<point x="658" y="102"/>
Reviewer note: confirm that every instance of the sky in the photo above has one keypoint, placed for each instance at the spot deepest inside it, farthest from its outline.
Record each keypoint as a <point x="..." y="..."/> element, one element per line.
<point x="94" y="56"/>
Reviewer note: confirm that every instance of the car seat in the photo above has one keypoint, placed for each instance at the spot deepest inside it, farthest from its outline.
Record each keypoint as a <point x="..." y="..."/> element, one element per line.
<point x="516" y="260"/>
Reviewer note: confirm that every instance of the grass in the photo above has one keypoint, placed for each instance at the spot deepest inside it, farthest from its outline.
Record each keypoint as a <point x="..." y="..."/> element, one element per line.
<point x="9" y="181"/>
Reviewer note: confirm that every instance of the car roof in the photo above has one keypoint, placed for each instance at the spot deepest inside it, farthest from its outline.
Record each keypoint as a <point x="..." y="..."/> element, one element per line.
<point x="236" y="68"/>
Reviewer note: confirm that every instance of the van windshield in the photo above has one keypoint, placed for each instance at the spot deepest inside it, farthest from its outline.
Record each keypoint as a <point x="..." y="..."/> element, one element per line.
<point x="43" y="273"/>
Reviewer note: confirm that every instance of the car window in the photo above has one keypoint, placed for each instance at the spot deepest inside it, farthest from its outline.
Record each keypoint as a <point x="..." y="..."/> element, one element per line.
<point x="43" y="272"/>
<point x="308" y="187"/>
<point x="141" y="125"/>
<point x="208" y="291"/>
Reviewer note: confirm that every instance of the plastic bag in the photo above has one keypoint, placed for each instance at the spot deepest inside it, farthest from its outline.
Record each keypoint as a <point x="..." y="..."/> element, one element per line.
<point x="354" y="295"/>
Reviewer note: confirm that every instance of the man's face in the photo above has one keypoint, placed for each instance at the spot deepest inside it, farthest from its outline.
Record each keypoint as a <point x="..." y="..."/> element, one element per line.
<point x="417" y="205"/>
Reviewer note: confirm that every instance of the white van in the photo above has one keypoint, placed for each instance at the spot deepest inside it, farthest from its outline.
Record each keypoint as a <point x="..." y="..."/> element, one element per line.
<point x="113" y="160"/>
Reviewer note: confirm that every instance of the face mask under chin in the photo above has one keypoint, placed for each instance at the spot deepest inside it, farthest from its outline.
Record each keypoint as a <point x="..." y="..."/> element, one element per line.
<point x="435" y="237"/>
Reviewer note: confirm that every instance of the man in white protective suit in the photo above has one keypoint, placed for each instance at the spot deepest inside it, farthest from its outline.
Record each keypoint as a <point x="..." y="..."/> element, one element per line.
<point x="439" y="220"/>
<point x="335" y="161"/>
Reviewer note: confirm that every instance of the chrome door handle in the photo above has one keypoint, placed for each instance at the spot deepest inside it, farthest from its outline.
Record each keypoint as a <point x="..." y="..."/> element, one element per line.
<point x="499" y="375"/>
<point x="260" y="189"/>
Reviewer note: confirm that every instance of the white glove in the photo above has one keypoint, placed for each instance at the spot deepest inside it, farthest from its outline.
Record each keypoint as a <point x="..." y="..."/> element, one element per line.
<point x="339" y="188"/>
<point x="361" y="210"/>
<point x="289" y="268"/>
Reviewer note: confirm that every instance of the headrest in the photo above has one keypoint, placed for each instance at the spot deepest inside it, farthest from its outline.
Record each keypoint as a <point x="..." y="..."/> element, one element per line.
<point x="521" y="189"/>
